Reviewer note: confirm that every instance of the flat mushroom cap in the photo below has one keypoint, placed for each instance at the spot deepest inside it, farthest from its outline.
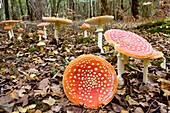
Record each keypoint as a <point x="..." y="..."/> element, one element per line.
<point x="99" y="20"/>
<point x="57" y="20"/>
<point x="129" y="43"/>
<point x="9" y="22"/>
<point x="90" y="81"/>
<point x="41" y="44"/>
<point x="43" y="24"/>
<point x="156" y="54"/>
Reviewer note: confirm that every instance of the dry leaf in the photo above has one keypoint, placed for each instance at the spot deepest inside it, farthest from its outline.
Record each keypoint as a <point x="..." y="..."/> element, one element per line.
<point x="14" y="94"/>
<point x="132" y="101"/>
<point x="138" y="110"/>
<point x="50" y="101"/>
<point x="56" y="108"/>
<point x="43" y="83"/>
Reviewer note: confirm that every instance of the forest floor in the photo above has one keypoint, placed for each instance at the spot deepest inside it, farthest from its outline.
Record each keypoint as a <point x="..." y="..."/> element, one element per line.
<point x="31" y="81"/>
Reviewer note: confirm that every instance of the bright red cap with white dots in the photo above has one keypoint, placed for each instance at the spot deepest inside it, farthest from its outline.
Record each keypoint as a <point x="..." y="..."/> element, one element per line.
<point x="129" y="43"/>
<point x="90" y="81"/>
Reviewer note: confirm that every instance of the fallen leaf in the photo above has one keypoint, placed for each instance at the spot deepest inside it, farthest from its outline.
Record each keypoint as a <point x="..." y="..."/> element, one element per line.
<point x="43" y="83"/>
<point x="14" y="94"/>
<point x="56" y="108"/>
<point x="124" y="111"/>
<point x="50" y="101"/>
<point x="132" y="102"/>
<point x="22" y="109"/>
<point x="23" y="100"/>
<point x="5" y="99"/>
<point x="138" y="110"/>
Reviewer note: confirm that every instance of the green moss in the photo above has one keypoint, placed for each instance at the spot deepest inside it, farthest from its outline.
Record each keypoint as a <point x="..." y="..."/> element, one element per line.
<point x="156" y="26"/>
<point x="33" y="49"/>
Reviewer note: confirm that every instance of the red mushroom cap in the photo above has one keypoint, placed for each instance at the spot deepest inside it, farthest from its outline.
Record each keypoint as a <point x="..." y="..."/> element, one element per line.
<point x="7" y="28"/>
<point x="85" y="26"/>
<point x="20" y="30"/>
<point x="129" y="43"/>
<point x="43" y="24"/>
<point x="90" y="81"/>
<point x="40" y="32"/>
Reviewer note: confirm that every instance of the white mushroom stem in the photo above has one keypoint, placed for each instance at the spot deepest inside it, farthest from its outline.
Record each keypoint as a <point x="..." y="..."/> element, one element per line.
<point x="19" y="37"/>
<point x="57" y="27"/>
<point x="120" y="68"/>
<point x="12" y="32"/>
<point x="10" y="35"/>
<point x="40" y="37"/>
<point x="146" y="63"/>
<point x="163" y="64"/>
<point x="45" y="33"/>
<point x="99" y="30"/>
<point x="85" y="33"/>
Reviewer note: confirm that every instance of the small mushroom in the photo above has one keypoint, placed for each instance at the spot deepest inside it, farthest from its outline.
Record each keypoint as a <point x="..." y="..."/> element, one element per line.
<point x="57" y="22"/>
<point x="44" y="28"/>
<point x="129" y="44"/>
<point x="30" y="35"/>
<point x="41" y="44"/>
<point x="99" y="20"/>
<point x="85" y="27"/>
<point x="90" y="80"/>
<point x="40" y="33"/>
<point x="20" y="31"/>
<point x="8" y="28"/>
<point x="10" y="23"/>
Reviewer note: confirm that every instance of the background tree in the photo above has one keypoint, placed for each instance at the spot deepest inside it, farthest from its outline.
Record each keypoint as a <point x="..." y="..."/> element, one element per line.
<point x="6" y="9"/>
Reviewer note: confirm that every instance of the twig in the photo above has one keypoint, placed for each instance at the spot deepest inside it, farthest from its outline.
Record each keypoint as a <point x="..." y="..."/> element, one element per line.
<point x="150" y="106"/>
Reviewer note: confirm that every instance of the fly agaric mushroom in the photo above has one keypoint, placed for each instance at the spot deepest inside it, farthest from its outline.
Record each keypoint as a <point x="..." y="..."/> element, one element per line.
<point x="85" y="27"/>
<point x="99" y="20"/>
<point x="41" y="44"/>
<point x="8" y="28"/>
<point x="57" y="22"/>
<point x="10" y="23"/>
<point x="90" y="81"/>
<point x="44" y="28"/>
<point x="20" y="31"/>
<point x="155" y="54"/>
<point x="40" y="33"/>
<point x="30" y="35"/>
<point x="130" y="44"/>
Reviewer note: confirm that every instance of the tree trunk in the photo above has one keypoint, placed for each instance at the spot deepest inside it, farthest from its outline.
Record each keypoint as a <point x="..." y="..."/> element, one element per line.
<point x="105" y="10"/>
<point x="135" y="8"/>
<point x="29" y="11"/>
<point x="20" y="5"/>
<point x="53" y="7"/>
<point x="121" y="5"/>
<point x="58" y="5"/>
<point x="6" y="9"/>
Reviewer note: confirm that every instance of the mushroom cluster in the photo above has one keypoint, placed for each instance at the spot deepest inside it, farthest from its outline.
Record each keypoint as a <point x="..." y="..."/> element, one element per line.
<point x="133" y="45"/>
<point x="90" y="81"/>
<point x="58" y="22"/>
<point x="44" y="28"/>
<point x="10" y="23"/>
